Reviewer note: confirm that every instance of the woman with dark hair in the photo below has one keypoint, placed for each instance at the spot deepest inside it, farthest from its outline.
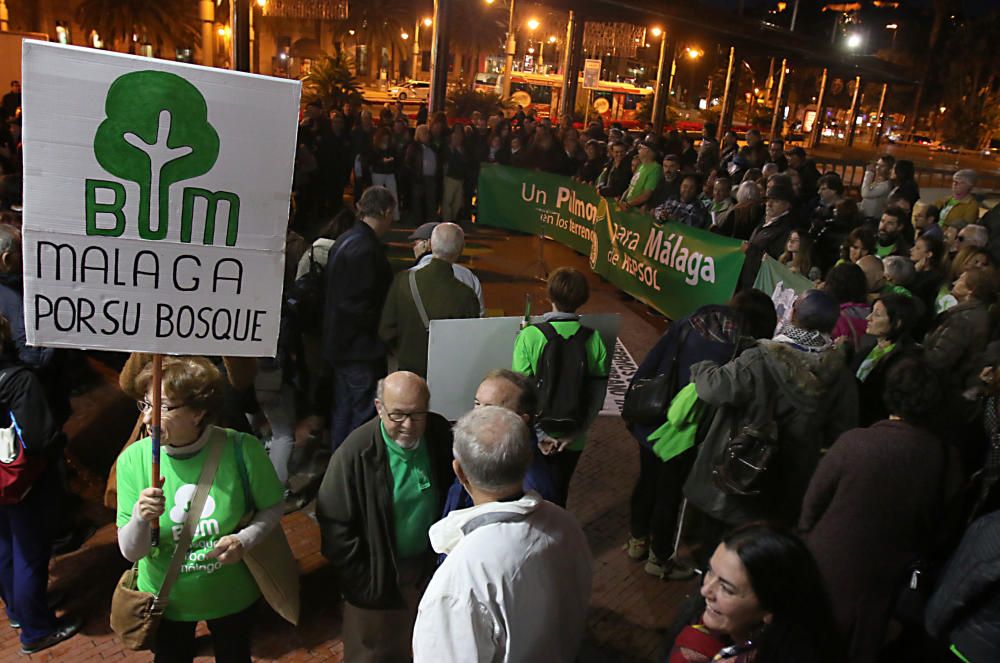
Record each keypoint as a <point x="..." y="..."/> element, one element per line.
<point x="384" y="164"/>
<point x="886" y="341"/>
<point x="761" y="600"/>
<point x="860" y="243"/>
<point x="904" y="183"/>
<point x="713" y="332"/>
<point x="874" y="503"/>
<point x="847" y="284"/>
<point x="928" y="254"/>
<point x="591" y="168"/>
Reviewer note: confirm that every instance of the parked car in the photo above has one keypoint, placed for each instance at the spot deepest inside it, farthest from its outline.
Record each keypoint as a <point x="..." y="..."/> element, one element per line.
<point x="413" y="90"/>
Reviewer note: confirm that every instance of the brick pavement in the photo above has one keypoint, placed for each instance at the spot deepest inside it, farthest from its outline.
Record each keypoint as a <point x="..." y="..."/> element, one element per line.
<point x="629" y="610"/>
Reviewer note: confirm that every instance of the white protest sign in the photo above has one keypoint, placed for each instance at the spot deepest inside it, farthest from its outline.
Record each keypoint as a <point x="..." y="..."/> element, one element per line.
<point x="156" y="203"/>
<point x="591" y="73"/>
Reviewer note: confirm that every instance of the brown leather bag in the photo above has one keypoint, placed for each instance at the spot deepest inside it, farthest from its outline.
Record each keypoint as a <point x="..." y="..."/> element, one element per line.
<point x="135" y="615"/>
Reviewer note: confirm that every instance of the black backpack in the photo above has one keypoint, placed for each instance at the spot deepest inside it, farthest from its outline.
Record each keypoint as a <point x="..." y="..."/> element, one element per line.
<point x="305" y="300"/>
<point x="562" y="378"/>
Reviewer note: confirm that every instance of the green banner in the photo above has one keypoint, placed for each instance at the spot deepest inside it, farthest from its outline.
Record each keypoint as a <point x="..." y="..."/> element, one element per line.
<point x="782" y="285"/>
<point x="670" y="266"/>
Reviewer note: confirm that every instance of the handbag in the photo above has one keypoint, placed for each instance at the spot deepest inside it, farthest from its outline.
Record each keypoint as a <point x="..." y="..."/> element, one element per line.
<point x="135" y="615"/>
<point x="270" y="560"/>
<point x="648" y="399"/>
<point x="743" y="466"/>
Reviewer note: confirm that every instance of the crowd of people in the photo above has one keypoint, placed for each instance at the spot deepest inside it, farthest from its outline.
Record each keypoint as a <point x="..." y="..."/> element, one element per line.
<point x="818" y="469"/>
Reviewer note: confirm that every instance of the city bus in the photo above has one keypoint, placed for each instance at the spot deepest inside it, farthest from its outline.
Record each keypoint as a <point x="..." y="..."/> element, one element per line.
<point x="615" y="102"/>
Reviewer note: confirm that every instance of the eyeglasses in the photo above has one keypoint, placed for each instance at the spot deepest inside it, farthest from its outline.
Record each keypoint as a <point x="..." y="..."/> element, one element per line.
<point x="400" y="417"/>
<point x="145" y="406"/>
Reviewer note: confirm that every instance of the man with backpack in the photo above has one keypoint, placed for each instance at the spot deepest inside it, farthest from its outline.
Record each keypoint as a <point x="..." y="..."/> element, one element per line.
<point x="565" y="358"/>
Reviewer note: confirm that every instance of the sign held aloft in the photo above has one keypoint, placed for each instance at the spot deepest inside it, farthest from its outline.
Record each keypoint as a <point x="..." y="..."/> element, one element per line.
<point x="156" y="203"/>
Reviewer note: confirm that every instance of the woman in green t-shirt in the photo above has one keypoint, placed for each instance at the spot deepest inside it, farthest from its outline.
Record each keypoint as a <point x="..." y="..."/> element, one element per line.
<point x="214" y="584"/>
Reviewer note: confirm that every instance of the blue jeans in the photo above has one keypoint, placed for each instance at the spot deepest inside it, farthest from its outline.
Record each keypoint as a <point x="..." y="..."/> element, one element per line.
<point x="25" y="548"/>
<point x="354" y="385"/>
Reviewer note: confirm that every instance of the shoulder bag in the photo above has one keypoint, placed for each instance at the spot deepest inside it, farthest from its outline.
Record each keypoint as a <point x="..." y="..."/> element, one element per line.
<point x="648" y="399"/>
<point x="135" y="615"/>
<point x="270" y="561"/>
<point x="743" y="467"/>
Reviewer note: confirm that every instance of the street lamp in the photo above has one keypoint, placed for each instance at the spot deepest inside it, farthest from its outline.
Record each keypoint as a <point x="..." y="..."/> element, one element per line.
<point x="854" y="41"/>
<point x="404" y="35"/>
<point x="693" y="52"/>
<point x="656" y="31"/>
<point x="415" y="68"/>
<point x="533" y="24"/>
<point x="511" y="44"/>
<point x="895" y="28"/>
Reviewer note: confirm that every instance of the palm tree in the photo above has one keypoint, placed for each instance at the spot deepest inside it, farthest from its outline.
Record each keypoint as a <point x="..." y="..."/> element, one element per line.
<point x="331" y="82"/>
<point x="377" y="22"/>
<point x="116" y="21"/>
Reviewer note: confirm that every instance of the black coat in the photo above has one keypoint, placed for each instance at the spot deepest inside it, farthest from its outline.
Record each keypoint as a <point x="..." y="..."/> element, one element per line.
<point x="769" y="239"/>
<point x="965" y="607"/>
<point x="354" y="510"/>
<point x="358" y="277"/>
<point x="871" y="407"/>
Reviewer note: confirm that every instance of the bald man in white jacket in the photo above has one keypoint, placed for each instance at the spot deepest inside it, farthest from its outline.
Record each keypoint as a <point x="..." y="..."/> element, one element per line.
<point x="516" y="583"/>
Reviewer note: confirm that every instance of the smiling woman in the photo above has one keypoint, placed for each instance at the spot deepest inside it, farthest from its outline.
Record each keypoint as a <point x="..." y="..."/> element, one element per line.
<point x="761" y="599"/>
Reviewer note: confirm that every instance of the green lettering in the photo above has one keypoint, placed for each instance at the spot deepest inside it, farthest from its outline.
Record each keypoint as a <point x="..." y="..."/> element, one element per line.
<point x="114" y="208"/>
<point x="211" y="212"/>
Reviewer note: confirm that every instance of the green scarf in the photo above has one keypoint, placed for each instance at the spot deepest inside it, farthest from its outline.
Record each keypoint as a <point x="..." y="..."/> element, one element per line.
<point x="873" y="358"/>
<point x="677" y="434"/>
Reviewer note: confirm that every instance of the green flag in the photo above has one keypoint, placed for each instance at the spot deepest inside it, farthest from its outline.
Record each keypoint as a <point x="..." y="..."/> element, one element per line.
<point x="670" y="266"/>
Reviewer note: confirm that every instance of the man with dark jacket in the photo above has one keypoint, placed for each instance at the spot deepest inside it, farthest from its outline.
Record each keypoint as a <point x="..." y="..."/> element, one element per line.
<point x="383" y="490"/>
<point x="431" y="293"/>
<point x="357" y="280"/>
<point x="965" y="608"/>
<point x="770" y="237"/>
<point x="797" y="390"/>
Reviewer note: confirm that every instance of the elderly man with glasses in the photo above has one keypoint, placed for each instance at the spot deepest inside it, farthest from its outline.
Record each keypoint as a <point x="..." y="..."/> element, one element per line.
<point x="384" y="488"/>
<point x="961" y="207"/>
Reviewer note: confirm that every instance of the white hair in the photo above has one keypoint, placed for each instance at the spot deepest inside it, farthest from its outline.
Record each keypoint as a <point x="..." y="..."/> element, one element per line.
<point x="493" y="446"/>
<point x="898" y="270"/>
<point x="447" y="241"/>
<point x="967" y="175"/>
<point x="975" y="235"/>
<point x="748" y="192"/>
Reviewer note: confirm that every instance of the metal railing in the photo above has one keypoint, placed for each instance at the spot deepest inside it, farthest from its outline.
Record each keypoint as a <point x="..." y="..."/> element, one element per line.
<point x="852" y="172"/>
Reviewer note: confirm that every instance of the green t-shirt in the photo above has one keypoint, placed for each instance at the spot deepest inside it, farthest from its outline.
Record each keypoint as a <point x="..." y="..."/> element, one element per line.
<point x="890" y="288"/>
<point x="414" y="499"/>
<point x="883" y="251"/>
<point x="205" y="588"/>
<point x="645" y="178"/>
<point x="528" y="351"/>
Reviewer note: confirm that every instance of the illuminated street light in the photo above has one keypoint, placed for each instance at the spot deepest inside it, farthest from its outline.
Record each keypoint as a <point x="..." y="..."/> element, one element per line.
<point x="693" y="52"/>
<point x="404" y="36"/>
<point x="261" y="3"/>
<point x="428" y="22"/>
<point x="656" y="31"/>
<point x="531" y="50"/>
<point x="853" y="41"/>
<point x="533" y="24"/>
<point x="891" y="26"/>
<point x="552" y="39"/>
<point x="942" y="109"/>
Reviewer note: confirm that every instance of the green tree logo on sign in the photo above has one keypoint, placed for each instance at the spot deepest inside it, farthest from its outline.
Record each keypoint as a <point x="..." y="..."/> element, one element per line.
<point x="156" y="133"/>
